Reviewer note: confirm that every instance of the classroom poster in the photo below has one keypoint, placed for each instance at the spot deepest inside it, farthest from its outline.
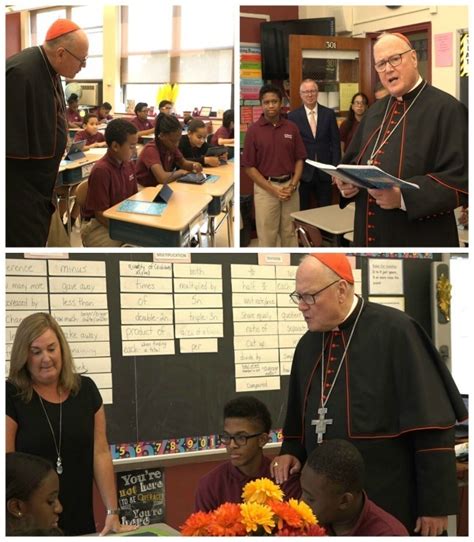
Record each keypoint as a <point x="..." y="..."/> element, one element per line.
<point x="141" y="496"/>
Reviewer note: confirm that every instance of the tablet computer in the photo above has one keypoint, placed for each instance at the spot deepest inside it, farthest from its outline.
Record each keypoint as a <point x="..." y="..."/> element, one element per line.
<point x="75" y="150"/>
<point x="193" y="178"/>
<point x="216" y="151"/>
<point x="205" y="111"/>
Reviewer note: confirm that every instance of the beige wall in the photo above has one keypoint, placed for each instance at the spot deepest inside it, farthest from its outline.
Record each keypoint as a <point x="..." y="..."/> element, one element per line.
<point x="358" y="20"/>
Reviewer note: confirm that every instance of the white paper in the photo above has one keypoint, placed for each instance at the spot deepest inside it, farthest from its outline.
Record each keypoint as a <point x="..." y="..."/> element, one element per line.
<point x="285" y="368"/>
<point x="250" y="314"/>
<point x="187" y="301"/>
<point x="385" y="276"/>
<point x="81" y="317"/>
<point x="288" y="341"/>
<point x="78" y="301"/>
<point x="93" y="365"/>
<point x="292" y="328"/>
<point x="75" y="285"/>
<point x="25" y="267"/>
<point x="262" y="341"/>
<point x="256" y="356"/>
<point x="31" y="302"/>
<point x="197" y="346"/>
<point x="198" y="330"/>
<point x="287" y="272"/>
<point x="196" y="316"/>
<point x="253" y="285"/>
<point x="186" y="285"/>
<point x="284" y="300"/>
<point x="245" y="370"/>
<point x="90" y="350"/>
<point x="149" y="333"/>
<point x="145" y="269"/>
<point x="107" y="396"/>
<point x="252" y="271"/>
<point x="147" y="348"/>
<point x="14" y="318"/>
<point x="292" y="314"/>
<point x="146" y="301"/>
<point x="26" y="284"/>
<point x="102" y="380"/>
<point x="395" y="302"/>
<point x="255" y="328"/>
<point x="286" y="355"/>
<point x="86" y="333"/>
<point x="257" y="384"/>
<point x="146" y="284"/>
<point x="76" y="267"/>
<point x="195" y="270"/>
<point x="254" y="300"/>
<point x="285" y="286"/>
<point x="146" y="316"/>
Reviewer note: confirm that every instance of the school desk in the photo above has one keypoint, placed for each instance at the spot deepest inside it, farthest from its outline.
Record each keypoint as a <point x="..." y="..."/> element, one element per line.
<point x="332" y="221"/>
<point x="184" y="215"/>
<point x="73" y="173"/>
<point x="222" y="193"/>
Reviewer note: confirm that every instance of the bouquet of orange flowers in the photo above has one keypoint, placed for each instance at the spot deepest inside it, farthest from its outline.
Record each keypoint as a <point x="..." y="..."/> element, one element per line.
<point x="263" y="512"/>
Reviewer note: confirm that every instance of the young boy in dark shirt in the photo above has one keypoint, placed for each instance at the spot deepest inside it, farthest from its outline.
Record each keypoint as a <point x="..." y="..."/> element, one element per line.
<point x="111" y="181"/>
<point x="332" y="481"/>
<point x="247" y="424"/>
<point x="91" y="133"/>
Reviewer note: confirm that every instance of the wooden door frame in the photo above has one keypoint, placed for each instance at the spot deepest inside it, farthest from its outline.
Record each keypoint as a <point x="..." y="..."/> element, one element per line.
<point x="298" y="42"/>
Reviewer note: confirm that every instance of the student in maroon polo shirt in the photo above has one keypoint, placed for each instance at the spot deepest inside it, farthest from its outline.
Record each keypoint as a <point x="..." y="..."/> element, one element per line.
<point x="73" y="116"/>
<point x="273" y="158"/>
<point x="194" y="147"/>
<point x="111" y="180"/>
<point x="91" y="133"/>
<point x="333" y="486"/>
<point x="225" y="134"/>
<point x="161" y="161"/>
<point x="247" y="423"/>
<point x="141" y="122"/>
<point x="103" y="112"/>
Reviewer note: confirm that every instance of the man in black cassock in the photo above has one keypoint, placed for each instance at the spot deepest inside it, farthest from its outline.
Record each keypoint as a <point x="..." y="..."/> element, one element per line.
<point x="380" y="383"/>
<point x="417" y="133"/>
<point x="36" y="129"/>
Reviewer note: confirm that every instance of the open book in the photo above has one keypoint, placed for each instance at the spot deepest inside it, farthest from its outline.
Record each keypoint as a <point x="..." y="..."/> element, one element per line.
<point x="363" y="176"/>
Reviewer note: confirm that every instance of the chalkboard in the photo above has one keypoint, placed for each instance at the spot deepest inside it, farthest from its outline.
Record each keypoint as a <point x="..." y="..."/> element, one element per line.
<point x="182" y="395"/>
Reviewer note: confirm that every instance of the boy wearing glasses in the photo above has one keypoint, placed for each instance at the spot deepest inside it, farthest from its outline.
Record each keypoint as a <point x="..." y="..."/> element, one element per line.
<point x="247" y="423"/>
<point x="417" y="133"/>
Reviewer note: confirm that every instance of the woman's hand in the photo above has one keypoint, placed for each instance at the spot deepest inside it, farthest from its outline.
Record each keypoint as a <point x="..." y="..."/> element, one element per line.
<point x="113" y="525"/>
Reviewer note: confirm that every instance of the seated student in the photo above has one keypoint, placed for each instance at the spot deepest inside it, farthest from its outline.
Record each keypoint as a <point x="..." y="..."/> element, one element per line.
<point x="73" y="116"/>
<point x="32" y="490"/>
<point x="225" y="134"/>
<point x="332" y="481"/>
<point x="111" y="181"/>
<point x="194" y="147"/>
<point x="103" y="112"/>
<point x="247" y="423"/>
<point x="141" y="122"/>
<point x="161" y="161"/>
<point x="165" y="106"/>
<point x="91" y="133"/>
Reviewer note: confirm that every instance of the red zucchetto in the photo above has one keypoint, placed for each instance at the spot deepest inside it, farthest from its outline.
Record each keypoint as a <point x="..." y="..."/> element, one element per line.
<point x="338" y="263"/>
<point x="60" y="27"/>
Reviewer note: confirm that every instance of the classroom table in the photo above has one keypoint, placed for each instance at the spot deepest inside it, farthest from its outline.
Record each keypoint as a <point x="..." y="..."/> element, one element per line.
<point x="72" y="173"/>
<point x="332" y="221"/>
<point x="222" y="193"/>
<point x="185" y="215"/>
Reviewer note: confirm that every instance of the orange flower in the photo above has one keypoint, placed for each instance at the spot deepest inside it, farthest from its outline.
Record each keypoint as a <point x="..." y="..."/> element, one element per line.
<point x="304" y="512"/>
<point x="197" y="524"/>
<point x="227" y="521"/>
<point x="286" y="516"/>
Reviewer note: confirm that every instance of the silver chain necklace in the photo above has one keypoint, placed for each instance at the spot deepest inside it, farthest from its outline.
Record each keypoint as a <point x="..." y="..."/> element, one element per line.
<point x="59" y="463"/>
<point x="376" y="149"/>
<point x="321" y="422"/>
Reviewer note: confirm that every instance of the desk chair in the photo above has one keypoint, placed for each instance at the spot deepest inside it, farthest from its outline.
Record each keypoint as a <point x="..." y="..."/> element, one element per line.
<point x="81" y="193"/>
<point x="308" y="236"/>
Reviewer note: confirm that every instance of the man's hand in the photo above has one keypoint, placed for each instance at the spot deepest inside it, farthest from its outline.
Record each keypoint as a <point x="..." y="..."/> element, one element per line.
<point x="284" y="465"/>
<point x="347" y="190"/>
<point x="387" y="198"/>
<point x="431" y="526"/>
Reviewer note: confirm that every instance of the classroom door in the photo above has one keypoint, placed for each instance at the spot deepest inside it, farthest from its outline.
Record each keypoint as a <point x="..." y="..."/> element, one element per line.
<point x="340" y="66"/>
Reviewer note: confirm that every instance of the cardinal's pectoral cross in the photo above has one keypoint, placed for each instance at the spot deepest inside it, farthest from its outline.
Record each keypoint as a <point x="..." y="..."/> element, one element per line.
<point x="321" y="424"/>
